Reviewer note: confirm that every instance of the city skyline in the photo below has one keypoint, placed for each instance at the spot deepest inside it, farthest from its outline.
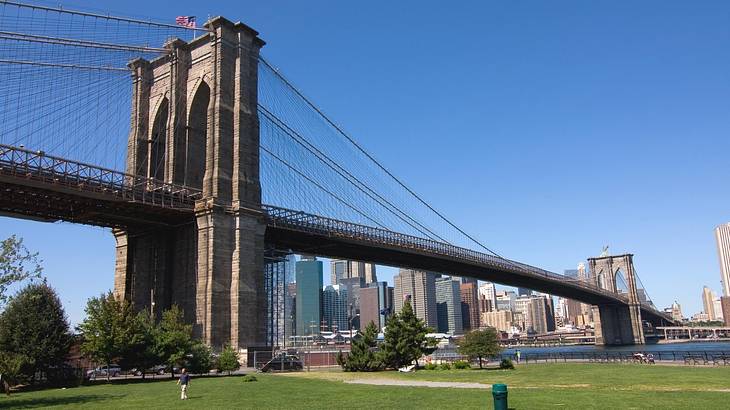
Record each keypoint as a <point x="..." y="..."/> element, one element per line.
<point x="673" y="93"/>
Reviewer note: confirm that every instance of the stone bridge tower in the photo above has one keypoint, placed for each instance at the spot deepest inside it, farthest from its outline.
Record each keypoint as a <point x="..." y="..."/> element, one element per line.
<point x="194" y="122"/>
<point x="617" y="324"/>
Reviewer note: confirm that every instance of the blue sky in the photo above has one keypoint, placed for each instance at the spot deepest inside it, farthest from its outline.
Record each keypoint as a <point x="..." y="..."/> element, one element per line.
<point x="546" y="129"/>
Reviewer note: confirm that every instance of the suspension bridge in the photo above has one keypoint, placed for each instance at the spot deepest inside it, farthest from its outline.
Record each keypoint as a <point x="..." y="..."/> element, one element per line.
<point x="225" y="164"/>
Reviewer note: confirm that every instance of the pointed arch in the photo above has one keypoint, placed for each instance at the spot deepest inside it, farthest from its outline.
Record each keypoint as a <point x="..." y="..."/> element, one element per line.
<point x="196" y="136"/>
<point x="158" y="141"/>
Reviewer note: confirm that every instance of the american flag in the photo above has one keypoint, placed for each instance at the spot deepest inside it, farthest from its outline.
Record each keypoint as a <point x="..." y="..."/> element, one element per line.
<point x="185" y="21"/>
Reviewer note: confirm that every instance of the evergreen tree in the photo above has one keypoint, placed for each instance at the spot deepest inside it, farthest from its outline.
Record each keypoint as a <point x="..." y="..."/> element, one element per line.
<point x="34" y="327"/>
<point x="405" y="339"/>
<point x="362" y="357"/>
<point x="173" y="339"/>
<point x="228" y="360"/>
<point x="480" y="344"/>
<point x="16" y="265"/>
<point x="109" y="329"/>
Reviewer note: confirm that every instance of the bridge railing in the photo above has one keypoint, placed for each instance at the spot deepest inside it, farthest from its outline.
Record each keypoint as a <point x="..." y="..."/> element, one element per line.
<point x="38" y="167"/>
<point x="298" y="220"/>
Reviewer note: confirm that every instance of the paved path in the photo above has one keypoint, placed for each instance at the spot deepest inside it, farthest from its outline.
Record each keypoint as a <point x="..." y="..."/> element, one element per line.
<point x="418" y="383"/>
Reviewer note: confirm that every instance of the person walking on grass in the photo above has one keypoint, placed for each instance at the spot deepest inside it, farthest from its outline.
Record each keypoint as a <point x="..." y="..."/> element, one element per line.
<point x="183" y="382"/>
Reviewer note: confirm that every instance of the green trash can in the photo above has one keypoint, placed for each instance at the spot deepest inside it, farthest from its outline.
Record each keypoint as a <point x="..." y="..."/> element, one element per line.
<point x="499" y="392"/>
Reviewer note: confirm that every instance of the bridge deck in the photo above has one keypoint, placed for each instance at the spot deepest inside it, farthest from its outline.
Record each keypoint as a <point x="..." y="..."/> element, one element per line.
<point x="43" y="187"/>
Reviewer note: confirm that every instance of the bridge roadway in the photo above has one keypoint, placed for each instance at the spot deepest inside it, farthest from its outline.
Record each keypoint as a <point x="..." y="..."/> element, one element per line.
<point x="37" y="186"/>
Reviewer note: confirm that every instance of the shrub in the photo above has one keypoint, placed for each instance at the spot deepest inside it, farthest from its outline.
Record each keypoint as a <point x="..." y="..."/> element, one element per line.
<point x="506" y="364"/>
<point x="445" y="366"/>
<point x="248" y="378"/>
<point x="461" y="365"/>
<point x="430" y="366"/>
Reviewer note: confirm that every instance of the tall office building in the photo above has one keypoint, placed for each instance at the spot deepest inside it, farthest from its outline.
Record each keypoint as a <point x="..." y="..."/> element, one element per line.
<point x="717" y="305"/>
<point x="309" y="295"/>
<point x="536" y="318"/>
<point x="375" y="304"/>
<point x="469" y="305"/>
<point x="353" y="286"/>
<point x="344" y="269"/>
<point x="335" y="316"/>
<point x="498" y="319"/>
<point x="487" y="294"/>
<point x="524" y="292"/>
<point x="506" y="300"/>
<point x="339" y="269"/>
<point x="722" y="236"/>
<point x="708" y="302"/>
<point x="448" y="306"/>
<point x="290" y="324"/>
<point x="420" y="287"/>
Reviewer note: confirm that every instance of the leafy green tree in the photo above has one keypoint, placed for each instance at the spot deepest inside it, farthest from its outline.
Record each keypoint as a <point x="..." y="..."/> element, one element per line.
<point x="362" y="357"/>
<point x="17" y="264"/>
<point x="109" y="329"/>
<point x="405" y="339"/>
<point x="139" y="352"/>
<point x="11" y="370"/>
<point x="34" y="326"/>
<point x="201" y="358"/>
<point x="173" y="338"/>
<point x="228" y="360"/>
<point x="480" y="344"/>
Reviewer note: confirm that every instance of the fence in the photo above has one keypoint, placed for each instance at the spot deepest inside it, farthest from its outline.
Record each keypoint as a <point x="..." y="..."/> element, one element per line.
<point x="309" y="358"/>
<point x="715" y="358"/>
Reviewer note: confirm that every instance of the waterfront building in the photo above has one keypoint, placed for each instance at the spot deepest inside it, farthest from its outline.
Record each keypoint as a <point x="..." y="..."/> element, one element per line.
<point x="498" y="319"/>
<point x="708" y="302"/>
<point x="536" y="316"/>
<point x="717" y="307"/>
<point x="725" y="305"/>
<point x="335" y="316"/>
<point x="722" y="237"/>
<point x="290" y="324"/>
<point x="420" y="288"/>
<point x="309" y="295"/>
<point x="448" y="306"/>
<point x="469" y="305"/>
<point x="675" y="311"/>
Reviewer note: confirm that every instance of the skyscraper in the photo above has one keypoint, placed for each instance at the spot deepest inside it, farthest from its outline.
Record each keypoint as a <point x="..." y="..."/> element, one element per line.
<point x="309" y="296"/>
<point x="722" y="236"/>
<point x="708" y="302"/>
<point x="334" y="308"/>
<point x="375" y="304"/>
<point x="488" y="293"/>
<point x="448" y="306"/>
<point x="421" y="288"/>
<point x="344" y="269"/>
<point x="469" y="305"/>
<point x="524" y="292"/>
<point x="353" y="286"/>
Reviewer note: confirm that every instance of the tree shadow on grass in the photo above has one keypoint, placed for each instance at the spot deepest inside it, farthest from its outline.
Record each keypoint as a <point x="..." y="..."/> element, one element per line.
<point x="38" y="402"/>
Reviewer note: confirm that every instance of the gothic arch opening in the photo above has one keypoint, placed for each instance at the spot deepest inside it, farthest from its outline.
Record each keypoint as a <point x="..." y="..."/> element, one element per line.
<point x="196" y="137"/>
<point x="158" y="140"/>
<point x="621" y="284"/>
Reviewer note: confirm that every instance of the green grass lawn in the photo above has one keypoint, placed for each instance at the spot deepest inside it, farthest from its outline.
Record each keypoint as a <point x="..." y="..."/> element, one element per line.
<point x="571" y="386"/>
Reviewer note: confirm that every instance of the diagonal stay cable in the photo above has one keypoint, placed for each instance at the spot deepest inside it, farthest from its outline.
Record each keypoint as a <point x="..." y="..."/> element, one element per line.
<point x="364" y="188"/>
